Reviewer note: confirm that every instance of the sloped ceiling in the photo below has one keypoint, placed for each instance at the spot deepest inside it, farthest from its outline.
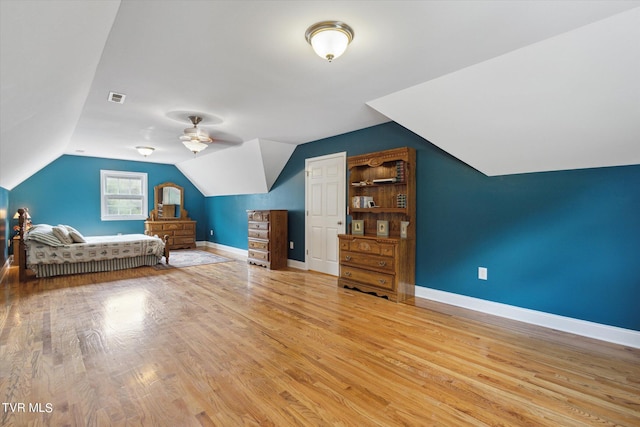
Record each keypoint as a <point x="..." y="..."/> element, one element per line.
<point x="45" y="74"/>
<point x="568" y="102"/>
<point x="247" y="64"/>
<point x="260" y="161"/>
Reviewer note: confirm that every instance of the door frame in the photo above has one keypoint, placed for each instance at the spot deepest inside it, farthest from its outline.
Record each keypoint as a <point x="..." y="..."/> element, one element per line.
<point x="340" y="155"/>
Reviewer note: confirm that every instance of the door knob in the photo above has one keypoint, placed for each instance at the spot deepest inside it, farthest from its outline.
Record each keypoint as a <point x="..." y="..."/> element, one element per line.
<point x="339" y="222"/>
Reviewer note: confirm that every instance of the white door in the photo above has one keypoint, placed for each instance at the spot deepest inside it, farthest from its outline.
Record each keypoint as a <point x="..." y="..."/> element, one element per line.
<point x="325" y="211"/>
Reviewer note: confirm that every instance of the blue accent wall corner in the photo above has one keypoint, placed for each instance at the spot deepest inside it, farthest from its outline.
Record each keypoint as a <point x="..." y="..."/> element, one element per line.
<point x="564" y="242"/>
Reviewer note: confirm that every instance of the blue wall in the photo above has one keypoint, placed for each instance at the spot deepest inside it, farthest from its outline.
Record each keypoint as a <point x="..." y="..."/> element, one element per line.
<point x="5" y="224"/>
<point x="566" y="242"/>
<point x="67" y="191"/>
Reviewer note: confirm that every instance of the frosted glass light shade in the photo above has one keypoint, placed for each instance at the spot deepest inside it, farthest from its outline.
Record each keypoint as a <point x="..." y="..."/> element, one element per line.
<point x="194" y="145"/>
<point x="145" y="151"/>
<point x="330" y="44"/>
<point x="329" y="39"/>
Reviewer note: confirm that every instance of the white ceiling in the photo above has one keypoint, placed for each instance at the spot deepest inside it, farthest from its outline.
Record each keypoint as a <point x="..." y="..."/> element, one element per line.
<point x="247" y="63"/>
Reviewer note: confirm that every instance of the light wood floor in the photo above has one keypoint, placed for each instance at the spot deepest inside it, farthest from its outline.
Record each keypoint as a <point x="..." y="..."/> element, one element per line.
<point x="230" y="345"/>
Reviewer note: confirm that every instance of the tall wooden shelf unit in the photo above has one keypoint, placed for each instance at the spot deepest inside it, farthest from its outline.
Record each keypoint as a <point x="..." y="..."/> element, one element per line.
<point x="383" y="265"/>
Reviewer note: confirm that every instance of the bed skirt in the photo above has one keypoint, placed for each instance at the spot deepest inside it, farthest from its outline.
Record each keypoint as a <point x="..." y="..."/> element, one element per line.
<point x="49" y="270"/>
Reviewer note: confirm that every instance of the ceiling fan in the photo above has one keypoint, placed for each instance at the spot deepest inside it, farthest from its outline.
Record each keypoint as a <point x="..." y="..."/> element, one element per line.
<point x="194" y="138"/>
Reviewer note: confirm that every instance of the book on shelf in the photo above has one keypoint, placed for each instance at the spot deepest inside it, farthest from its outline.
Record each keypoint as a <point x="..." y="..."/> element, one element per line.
<point x="359" y="202"/>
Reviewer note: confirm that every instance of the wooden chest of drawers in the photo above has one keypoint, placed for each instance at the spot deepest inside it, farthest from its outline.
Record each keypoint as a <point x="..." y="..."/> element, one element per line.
<point x="182" y="233"/>
<point x="377" y="264"/>
<point x="267" y="238"/>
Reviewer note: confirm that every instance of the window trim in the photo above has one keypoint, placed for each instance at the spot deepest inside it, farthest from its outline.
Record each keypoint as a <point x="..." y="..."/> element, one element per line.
<point x="104" y="174"/>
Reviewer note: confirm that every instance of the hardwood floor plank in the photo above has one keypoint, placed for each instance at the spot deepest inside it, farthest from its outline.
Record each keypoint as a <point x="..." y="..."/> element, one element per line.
<point x="231" y="344"/>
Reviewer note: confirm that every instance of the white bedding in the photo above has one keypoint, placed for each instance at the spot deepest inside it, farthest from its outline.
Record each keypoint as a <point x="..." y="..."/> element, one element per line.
<point x="96" y="248"/>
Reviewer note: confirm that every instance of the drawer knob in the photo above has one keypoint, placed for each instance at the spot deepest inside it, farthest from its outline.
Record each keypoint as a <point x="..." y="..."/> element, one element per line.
<point x="382" y="263"/>
<point x="348" y="258"/>
<point x="347" y="273"/>
<point x="382" y="281"/>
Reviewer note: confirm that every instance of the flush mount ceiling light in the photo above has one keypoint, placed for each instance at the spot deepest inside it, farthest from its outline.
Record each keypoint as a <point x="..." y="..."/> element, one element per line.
<point x="329" y="39"/>
<point x="145" y="151"/>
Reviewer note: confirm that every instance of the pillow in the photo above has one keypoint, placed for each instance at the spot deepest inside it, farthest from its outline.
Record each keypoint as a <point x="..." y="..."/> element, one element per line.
<point x="61" y="232"/>
<point x="43" y="233"/>
<point x="75" y="235"/>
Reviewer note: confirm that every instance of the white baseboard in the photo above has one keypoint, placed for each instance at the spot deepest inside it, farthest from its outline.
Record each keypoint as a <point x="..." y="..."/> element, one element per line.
<point x="231" y="249"/>
<point x="297" y="264"/>
<point x="585" y="328"/>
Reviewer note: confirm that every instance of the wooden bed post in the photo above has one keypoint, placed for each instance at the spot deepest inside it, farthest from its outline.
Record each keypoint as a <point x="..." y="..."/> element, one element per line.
<point x="166" y="248"/>
<point x="22" y="250"/>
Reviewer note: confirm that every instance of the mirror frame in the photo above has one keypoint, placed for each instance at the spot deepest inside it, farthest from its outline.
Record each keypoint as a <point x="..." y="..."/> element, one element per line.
<point x="153" y="215"/>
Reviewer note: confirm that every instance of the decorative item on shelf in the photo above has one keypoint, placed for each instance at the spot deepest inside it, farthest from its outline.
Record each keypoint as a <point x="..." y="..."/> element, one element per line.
<point x="401" y="200"/>
<point x="383" y="228"/>
<point x="329" y="39"/>
<point x="400" y="173"/>
<point x="384" y="180"/>
<point x="404" y="229"/>
<point x="357" y="227"/>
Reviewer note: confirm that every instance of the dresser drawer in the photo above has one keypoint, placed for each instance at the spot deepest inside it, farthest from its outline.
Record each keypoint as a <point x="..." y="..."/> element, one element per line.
<point x="257" y="244"/>
<point x="180" y="240"/>
<point x="380" y="280"/>
<point x="264" y="256"/>
<point x="154" y="228"/>
<point x="258" y="225"/>
<point x="183" y="233"/>
<point x="168" y="226"/>
<point x="259" y="234"/>
<point x="367" y="260"/>
<point x="369" y="246"/>
<point x="258" y="216"/>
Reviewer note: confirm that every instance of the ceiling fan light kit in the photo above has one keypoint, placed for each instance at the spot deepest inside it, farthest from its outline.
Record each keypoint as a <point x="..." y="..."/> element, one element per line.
<point x="329" y="39"/>
<point x="195" y="139"/>
<point x="194" y="145"/>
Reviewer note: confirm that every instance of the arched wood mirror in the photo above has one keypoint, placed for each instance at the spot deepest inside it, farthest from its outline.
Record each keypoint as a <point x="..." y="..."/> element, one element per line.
<point x="168" y="202"/>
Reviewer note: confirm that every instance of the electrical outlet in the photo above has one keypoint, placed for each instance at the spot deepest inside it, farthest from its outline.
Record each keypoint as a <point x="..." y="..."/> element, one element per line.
<point x="483" y="273"/>
<point x="291" y="244"/>
<point x="211" y="231"/>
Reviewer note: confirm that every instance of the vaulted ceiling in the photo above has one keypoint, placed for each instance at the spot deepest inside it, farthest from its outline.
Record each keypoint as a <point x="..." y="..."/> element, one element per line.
<point x="507" y="87"/>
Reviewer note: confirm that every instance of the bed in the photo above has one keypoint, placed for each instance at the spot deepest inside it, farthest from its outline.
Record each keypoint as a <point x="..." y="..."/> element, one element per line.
<point x="60" y="250"/>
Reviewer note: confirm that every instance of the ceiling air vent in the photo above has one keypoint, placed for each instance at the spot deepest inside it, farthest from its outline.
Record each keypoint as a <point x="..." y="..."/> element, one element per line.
<point x="118" y="98"/>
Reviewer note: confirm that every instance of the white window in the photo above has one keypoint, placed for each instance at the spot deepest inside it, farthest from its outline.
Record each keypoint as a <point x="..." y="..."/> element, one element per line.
<point x="123" y="195"/>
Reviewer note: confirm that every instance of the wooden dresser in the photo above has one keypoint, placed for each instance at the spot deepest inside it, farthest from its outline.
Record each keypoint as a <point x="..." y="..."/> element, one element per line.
<point x="268" y="238"/>
<point x="182" y="233"/>
<point x="380" y="265"/>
